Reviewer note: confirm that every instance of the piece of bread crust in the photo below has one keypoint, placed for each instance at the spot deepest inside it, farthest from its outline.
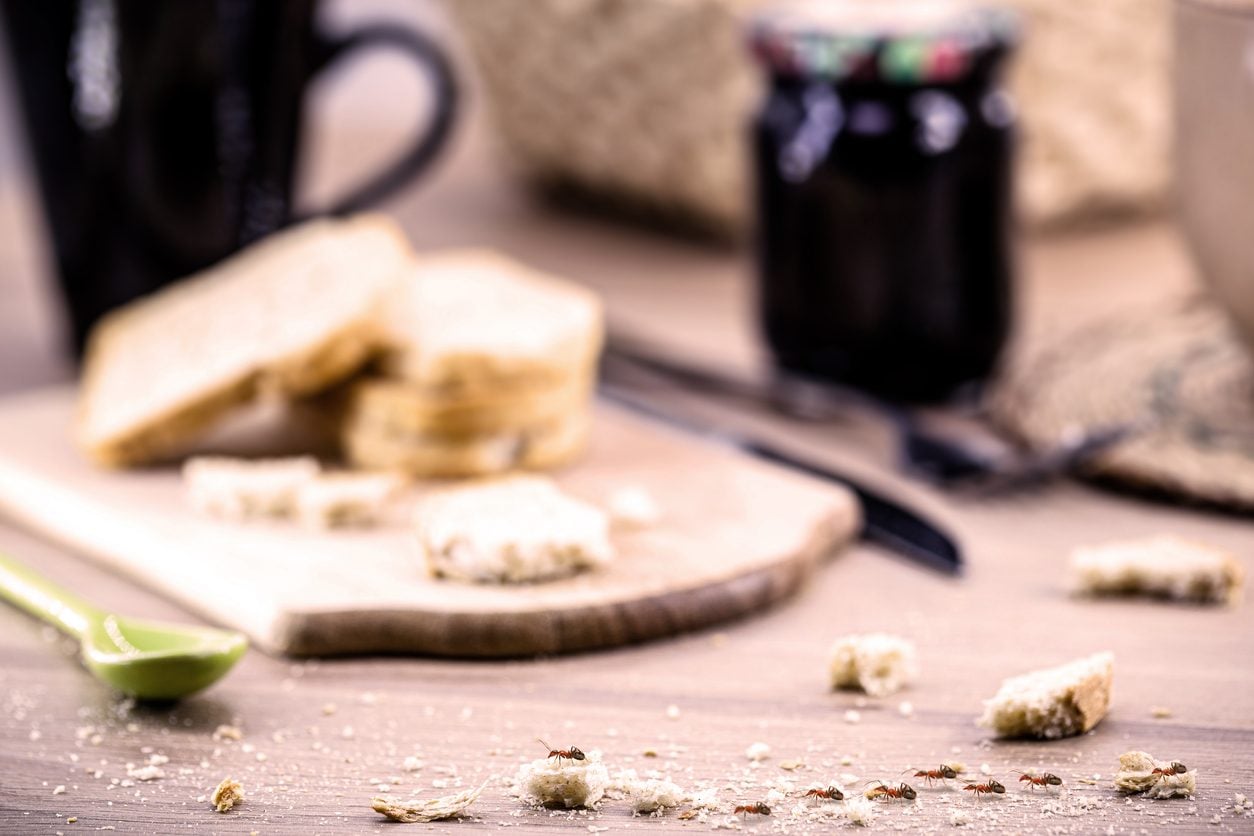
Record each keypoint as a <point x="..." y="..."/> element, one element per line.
<point x="1055" y="702"/>
<point x="515" y="529"/>
<point x="542" y="447"/>
<point x="1164" y="567"/>
<point x="292" y="314"/>
<point x="472" y="321"/>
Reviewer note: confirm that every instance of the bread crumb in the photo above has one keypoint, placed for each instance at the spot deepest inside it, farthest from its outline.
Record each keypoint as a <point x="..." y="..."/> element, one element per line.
<point x="985" y="769"/>
<point x="632" y="506"/>
<point x="565" y="782"/>
<point x="791" y="766"/>
<point x="226" y="795"/>
<point x="672" y="712"/>
<point x="1136" y="775"/>
<point x="434" y="809"/>
<point x="959" y="818"/>
<point x="1163" y="567"/>
<point x="905" y="708"/>
<point x="852" y="716"/>
<point x="225" y="732"/>
<point x="59" y="789"/>
<point x="1159" y="712"/>
<point x="859" y="810"/>
<point x="648" y="795"/>
<point x="877" y="663"/>
<point x="412" y="764"/>
<point x="510" y="530"/>
<point x="242" y="489"/>
<point x="1055" y="702"/>
<point x="341" y="500"/>
<point x="758" y="751"/>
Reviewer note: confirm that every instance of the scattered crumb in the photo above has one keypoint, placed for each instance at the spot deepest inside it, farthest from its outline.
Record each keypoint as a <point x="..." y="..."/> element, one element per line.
<point x="227" y="794"/>
<point x="985" y="769"/>
<point x="632" y="506"/>
<point x="649" y="753"/>
<point x="1159" y="712"/>
<point x="59" y="789"/>
<point x="859" y="810"/>
<point x="434" y="809"/>
<point x="225" y="732"/>
<point x="958" y="818"/>
<point x="877" y="663"/>
<point x="852" y="716"/>
<point x="792" y="765"/>
<point x="905" y="708"/>
<point x="562" y="782"/>
<point x="1136" y="775"/>
<point x="648" y="795"/>
<point x="347" y="732"/>
<point x="412" y="764"/>
<point x="1163" y="567"/>
<point x="758" y="751"/>
<point x="672" y="712"/>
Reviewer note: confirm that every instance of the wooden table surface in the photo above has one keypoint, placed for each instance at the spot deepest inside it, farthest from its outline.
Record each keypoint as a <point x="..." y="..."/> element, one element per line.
<point x="318" y="737"/>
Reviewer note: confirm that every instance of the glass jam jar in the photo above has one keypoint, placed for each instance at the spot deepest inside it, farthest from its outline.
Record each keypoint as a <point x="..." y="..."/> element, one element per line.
<point x="883" y="155"/>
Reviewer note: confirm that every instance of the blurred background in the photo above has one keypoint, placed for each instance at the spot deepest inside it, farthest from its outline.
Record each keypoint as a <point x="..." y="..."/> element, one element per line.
<point x="610" y="142"/>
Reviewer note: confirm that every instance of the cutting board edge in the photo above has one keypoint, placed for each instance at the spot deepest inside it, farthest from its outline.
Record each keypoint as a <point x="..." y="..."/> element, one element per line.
<point x="541" y="632"/>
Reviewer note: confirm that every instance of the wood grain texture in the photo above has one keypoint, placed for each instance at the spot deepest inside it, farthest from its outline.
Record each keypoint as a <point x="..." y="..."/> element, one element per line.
<point x="737" y="535"/>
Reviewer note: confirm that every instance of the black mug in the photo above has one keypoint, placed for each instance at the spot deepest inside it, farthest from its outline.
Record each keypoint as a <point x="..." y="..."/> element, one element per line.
<point x="165" y="134"/>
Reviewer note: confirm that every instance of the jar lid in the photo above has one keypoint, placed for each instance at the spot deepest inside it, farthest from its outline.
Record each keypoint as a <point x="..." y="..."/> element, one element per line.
<point x="893" y="41"/>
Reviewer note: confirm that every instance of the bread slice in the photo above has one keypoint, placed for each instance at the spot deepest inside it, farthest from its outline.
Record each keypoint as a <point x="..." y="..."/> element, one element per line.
<point x="473" y="321"/>
<point x="391" y="406"/>
<point x="1164" y="567"/>
<point x="510" y="530"/>
<point x="243" y="489"/>
<point x="293" y="314"/>
<point x="1056" y="702"/>
<point x="876" y="663"/>
<point x="540" y="447"/>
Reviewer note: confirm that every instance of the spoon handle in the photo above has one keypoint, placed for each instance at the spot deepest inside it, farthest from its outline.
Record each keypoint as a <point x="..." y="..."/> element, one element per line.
<point x="27" y="589"/>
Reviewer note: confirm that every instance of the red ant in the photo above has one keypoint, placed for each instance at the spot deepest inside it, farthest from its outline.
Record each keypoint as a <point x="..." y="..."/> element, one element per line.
<point x="1176" y="768"/>
<point x="945" y="772"/>
<point x="573" y="753"/>
<point x="992" y="786"/>
<point x="757" y="808"/>
<point x="831" y="794"/>
<point x="1045" y="779"/>
<point x="904" y="791"/>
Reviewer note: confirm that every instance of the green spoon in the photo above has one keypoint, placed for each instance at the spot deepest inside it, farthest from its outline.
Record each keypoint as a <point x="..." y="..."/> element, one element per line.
<point x="150" y="660"/>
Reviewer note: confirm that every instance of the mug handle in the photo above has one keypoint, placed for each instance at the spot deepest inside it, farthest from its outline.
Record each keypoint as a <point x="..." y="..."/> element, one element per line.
<point x="439" y="69"/>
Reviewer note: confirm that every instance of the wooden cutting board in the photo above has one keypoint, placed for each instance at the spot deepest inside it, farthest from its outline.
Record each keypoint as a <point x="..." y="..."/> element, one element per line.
<point x="738" y="535"/>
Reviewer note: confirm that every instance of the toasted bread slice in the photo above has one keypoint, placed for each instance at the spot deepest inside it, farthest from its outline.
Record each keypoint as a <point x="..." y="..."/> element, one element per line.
<point x="294" y="313"/>
<point x="473" y="321"/>
<point x="538" y="447"/>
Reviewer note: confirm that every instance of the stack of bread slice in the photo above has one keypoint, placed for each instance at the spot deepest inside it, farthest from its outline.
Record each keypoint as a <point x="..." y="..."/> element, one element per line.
<point x="456" y="364"/>
<point x="490" y="367"/>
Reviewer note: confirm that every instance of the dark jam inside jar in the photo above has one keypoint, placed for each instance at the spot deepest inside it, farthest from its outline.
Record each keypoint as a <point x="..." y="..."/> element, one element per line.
<point x="883" y="166"/>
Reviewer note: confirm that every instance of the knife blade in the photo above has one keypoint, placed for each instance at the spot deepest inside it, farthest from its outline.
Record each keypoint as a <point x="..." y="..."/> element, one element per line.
<point x="885" y="523"/>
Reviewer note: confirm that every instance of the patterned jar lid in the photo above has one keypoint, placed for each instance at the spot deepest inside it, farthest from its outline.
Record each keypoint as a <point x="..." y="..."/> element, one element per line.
<point x="908" y="42"/>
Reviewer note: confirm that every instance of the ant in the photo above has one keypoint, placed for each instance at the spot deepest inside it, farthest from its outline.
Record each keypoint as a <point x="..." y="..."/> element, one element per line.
<point x="574" y="753"/>
<point x="992" y="786"/>
<point x="944" y="773"/>
<point x="831" y="794"/>
<point x="757" y="808"/>
<point x="1045" y="779"/>
<point x="1176" y="768"/>
<point x="904" y="791"/>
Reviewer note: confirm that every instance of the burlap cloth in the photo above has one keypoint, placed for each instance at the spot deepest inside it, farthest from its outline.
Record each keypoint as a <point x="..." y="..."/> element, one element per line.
<point x="1178" y="374"/>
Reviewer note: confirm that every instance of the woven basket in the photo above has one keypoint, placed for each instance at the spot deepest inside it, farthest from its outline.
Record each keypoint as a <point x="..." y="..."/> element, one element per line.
<point x="646" y="103"/>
